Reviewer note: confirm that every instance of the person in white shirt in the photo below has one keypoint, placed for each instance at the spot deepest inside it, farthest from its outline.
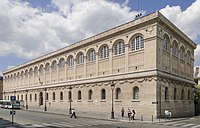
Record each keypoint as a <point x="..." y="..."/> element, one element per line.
<point x="73" y="113"/>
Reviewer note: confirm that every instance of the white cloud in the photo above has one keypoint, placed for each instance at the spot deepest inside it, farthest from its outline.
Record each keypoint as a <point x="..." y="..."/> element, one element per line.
<point x="197" y="55"/>
<point x="187" y="20"/>
<point x="29" y="32"/>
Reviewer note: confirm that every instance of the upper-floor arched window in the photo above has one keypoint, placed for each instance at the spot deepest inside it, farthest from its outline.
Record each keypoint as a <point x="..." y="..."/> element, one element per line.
<point x="61" y="63"/>
<point x="26" y="74"/>
<point x="91" y="55"/>
<point x="41" y="69"/>
<point x="70" y="61"/>
<point x="69" y="95"/>
<point x="54" y="65"/>
<point x="104" y="51"/>
<point x="137" y="43"/>
<point x="80" y="58"/>
<point x="175" y="48"/>
<point x="188" y="94"/>
<point x="47" y="67"/>
<point x="31" y="72"/>
<point x="166" y="43"/>
<point x="182" y="53"/>
<point x="119" y="47"/>
<point x="136" y="94"/>
<point x="36" y="71"/>
<point x="188" y="56"/>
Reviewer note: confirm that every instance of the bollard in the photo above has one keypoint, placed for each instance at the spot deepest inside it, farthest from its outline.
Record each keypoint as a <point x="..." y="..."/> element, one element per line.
<point x="159" y="117"/>
<point x="141" y="117"/>
<point x="152" y="118"/>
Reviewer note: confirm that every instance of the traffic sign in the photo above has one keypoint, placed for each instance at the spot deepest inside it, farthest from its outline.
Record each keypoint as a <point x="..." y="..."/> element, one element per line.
<point x="13" y="98"/>
<point x="12" y="112"/>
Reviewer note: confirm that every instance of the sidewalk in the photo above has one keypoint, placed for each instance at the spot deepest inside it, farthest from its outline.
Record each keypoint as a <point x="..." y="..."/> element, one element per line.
<point x="102" y="116"/>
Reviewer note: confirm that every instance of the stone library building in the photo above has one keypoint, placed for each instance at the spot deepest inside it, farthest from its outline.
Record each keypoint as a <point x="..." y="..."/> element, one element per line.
<point x="145" y="64"/>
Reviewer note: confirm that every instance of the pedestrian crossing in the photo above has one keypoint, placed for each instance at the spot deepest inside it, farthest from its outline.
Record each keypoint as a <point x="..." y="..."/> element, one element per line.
<point x="180" y="124"/>
<point x="72" y="124"/>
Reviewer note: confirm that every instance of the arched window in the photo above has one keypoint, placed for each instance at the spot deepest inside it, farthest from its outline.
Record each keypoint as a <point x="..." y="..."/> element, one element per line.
<point x="182" y="94"/>
<point x="47" y="67"/>
<point x="54" y="96"/>
<point x="166" y="43"/>
<point x="79" y="95"/>
<point x="47" y="96"/>
<point x="104" y="51"/>
<point x="30" y="97"/>
<point x="90" y="95"/>
<point x="118" y="93"/>
<point x="31" y="72"/>
<point x="175" y="48"/>
<point x="137" y="43"/>
<point x="70" y="95"/>
<point x="182" y="53"/>
<point x="26" y="74"/>
<point x="119" y="47"/>
<point x="17" y="97"/>
<point x="136" y="93"/>
<point x="188" y="94"/>
<point x="61" y="95"/>
<point x="103" y="94"/>
<point x="35" y="97"/>
<point x="166" y="93"/>
<point x="175" y="94"/>
<point x="54" y="66"/>
<point x="70" y="61"/>
<point x="91" y="55"/>
<point x="188" y="56"/>
<point x="61" y="63"/>
<point x="80" y="58"/>
<point x="36" y="71"/>
<point x="21" y="97"/>
<point x="41" y="69"/>
<point x="26" y="97"/>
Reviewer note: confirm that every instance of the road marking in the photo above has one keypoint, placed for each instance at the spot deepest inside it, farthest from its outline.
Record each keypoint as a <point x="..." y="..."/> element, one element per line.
<point x="187" y="125"/>
<point x="169" y="123"/>
<point x="197" y="126"/>
<point x="178" y="124"/>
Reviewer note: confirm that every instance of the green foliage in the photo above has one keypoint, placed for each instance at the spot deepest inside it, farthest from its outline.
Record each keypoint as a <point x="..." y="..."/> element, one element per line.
<point x="197" y="93"/>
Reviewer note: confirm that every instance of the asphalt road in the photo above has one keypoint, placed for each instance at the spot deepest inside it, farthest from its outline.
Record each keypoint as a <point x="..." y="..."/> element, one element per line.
<point x="27" y="119"/>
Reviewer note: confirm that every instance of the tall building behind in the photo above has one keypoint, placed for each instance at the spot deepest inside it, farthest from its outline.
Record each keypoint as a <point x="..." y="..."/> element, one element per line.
<point x="146" y="64"/>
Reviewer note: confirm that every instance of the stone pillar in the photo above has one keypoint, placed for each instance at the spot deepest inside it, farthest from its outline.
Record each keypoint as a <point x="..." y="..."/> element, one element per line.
<point x="126" y="43"/>
<point x="85" y="66"/>
<point x="110" y="59"/>
<point x="97" y="64"/>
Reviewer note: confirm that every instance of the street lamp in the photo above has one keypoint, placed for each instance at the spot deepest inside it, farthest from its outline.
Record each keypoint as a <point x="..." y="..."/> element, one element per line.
<point x="45" y="105"/>
<point x="70" y="99"/>
<point x="26" y="99"/>
<point x="112" y="88"/>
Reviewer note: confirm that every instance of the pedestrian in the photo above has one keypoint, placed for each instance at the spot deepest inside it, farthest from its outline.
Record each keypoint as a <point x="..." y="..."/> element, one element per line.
<point x="129" y="113"/>
<point x="133" y="115"/>
<point x="122" y="111"/>
<point x="73" y="113"/>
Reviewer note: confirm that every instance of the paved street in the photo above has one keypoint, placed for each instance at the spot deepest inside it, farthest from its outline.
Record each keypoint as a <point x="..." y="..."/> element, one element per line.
<point x="29" y="119"/>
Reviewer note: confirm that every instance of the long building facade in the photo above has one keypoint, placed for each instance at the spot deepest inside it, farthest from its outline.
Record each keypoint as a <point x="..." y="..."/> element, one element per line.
<point x="148" y="60"/>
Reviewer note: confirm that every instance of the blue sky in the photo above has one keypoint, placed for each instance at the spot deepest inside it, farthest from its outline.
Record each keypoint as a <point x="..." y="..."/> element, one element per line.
<point x="31" y="28"/>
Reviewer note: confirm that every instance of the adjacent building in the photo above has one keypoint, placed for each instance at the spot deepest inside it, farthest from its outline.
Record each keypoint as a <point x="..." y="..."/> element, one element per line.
<point x="148" y="61"/>
<point x="1" y="87"/>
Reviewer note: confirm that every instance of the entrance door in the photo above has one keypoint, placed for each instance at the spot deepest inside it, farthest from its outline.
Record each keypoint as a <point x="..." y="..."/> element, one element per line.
<point x="41" y="99"/>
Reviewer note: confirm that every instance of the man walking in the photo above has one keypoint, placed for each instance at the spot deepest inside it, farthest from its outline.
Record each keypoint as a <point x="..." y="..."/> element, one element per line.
<point x="73" y="113"/>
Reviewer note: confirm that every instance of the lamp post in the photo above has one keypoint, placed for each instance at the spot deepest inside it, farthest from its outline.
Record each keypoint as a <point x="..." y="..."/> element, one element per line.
<point x="45" y="105"/>
<point x="70" y="100"/>
<point x="26" y="99"/>
<point x="112" y="88"/>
